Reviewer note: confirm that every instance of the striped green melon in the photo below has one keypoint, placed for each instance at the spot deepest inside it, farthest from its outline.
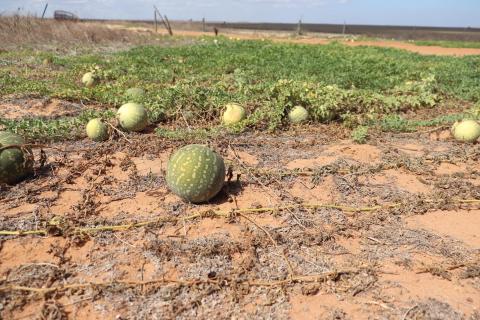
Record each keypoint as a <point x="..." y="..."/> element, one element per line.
<point x="15" y="163"/>
<point x="132" y="117"/>
<point x="195" y="173"/>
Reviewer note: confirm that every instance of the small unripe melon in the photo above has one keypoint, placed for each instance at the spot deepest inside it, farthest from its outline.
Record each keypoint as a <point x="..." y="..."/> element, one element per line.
<point x="195" y="173"/>
<point x="89" y="79"/>
<point x="234" y="113"/>
<point x="97" y="130"/>
<point x="134" y="94"/>
<point x="298" y="114"/>
<point x="132" y="117"/>
<point x="47" y="61"/>
<point x="466" y="131"/>
<point x="15" y="163"/>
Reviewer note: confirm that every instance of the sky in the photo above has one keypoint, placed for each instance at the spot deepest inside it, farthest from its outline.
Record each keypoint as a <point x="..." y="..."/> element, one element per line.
<point x="446" y="13"/>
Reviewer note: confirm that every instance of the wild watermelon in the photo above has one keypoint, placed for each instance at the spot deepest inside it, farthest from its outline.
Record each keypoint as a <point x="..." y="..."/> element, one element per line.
<point x="97" y="130"/>
<point x="132" y="117"/>
<point x="15" y="163"/>
<point x="89" y="79"/>
<point x="234" y="113"/>
<point x="195" y="173"/>
<point x="466" y="130"/>
<point x="298" y="114"/>
<point x="134" y="94"/>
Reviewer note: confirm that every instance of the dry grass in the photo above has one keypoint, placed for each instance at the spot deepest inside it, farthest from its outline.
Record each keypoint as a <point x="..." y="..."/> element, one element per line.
<point x="22" y="31"/>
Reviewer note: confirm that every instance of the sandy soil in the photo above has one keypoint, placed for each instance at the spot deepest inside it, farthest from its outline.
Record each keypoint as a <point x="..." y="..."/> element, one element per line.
<point x="412" y="254"/>
<point x="17" y="108"/>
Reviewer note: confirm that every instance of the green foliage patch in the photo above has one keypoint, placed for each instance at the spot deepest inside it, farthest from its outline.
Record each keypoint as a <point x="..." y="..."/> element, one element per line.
<point x="190" y="85"/>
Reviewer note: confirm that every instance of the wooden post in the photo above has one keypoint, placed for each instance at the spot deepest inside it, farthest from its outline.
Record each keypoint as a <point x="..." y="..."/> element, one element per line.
<point x="299" y="27"/>
<point x="169" y="27"/>
<point x="155" y="19"/>
<point x="44" y="10"/>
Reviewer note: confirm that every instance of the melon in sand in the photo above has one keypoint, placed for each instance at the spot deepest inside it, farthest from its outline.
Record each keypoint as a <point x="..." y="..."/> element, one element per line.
<point x="195" y="173"/>
<point x="466" y="131"/>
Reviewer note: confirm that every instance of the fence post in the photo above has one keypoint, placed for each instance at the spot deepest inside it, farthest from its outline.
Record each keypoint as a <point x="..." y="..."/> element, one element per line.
<point x="44" y="10"/>
<point x="169" y="27"/>
<point x="299" y="27"/>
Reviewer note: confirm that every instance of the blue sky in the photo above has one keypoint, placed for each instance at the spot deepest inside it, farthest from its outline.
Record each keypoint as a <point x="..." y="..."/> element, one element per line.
<point x="460" y="13"/>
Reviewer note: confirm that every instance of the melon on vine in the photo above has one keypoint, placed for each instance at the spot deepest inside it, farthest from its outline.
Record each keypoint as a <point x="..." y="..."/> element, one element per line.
<point x="466" y="130"/>
<point x="132" y="117"/>
<point x="298" y="114"/>
<point x="89" y="79"/>
<point x="16" y="163"/>
<point x="134" y="94"/>
<point x="97" y="130"/>
<point x="234" y="113"/>
<point x="195" y="173"/>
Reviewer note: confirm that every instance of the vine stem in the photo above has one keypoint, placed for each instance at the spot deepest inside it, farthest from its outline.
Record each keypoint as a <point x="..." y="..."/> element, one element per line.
<point x="321" y="277"/>
<point x="120" y="132"/>
<point x="219" y="214"/>
<point x="33" y="146"/>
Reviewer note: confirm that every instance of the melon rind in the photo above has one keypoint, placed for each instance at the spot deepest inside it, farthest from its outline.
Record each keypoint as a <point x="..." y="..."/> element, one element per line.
<point x="15" y="163"/>
<point x="97" y="130"/>
<point x="132" y="117"/>
<point x="195" y="173"/>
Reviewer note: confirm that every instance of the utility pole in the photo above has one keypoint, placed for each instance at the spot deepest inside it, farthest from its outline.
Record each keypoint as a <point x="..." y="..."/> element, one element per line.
<point x="44" y="10"/>
<point x="344" y="27"/>
<point x="204" y="27"/>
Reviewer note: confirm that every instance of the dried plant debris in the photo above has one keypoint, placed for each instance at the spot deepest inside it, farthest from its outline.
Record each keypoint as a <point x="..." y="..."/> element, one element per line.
<point x="123" y="245"/>
<point x="433" y="309"/>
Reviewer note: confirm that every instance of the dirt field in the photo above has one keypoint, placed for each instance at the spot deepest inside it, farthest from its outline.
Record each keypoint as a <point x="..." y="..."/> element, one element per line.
<point x="335" y="230"/>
